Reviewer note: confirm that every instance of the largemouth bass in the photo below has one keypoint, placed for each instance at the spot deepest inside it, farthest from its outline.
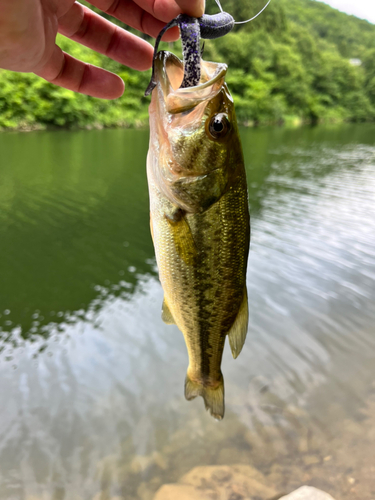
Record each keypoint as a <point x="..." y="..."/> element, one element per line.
<point x="199" y="219"/>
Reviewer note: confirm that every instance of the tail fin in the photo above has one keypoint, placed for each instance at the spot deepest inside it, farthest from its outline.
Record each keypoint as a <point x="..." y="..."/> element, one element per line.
<point x="213" y="397"/>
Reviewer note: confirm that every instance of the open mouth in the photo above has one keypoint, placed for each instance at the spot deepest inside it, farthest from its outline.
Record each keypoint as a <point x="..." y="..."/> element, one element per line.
<point x="170" y="73"/>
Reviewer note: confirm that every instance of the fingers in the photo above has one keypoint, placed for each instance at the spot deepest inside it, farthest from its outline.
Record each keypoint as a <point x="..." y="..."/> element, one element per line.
<point x="164" y="10"/>
<point x="87" y="28"/>
<point x="70" y="73"/>
<point x="194" y="8"/>
<point x="135" y="15"/>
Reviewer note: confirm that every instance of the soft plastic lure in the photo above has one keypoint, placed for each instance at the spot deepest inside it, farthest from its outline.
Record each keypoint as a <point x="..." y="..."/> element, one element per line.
<point x="192" y="30"/>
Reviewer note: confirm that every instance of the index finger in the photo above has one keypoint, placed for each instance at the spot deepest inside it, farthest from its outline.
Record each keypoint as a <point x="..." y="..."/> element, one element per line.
<point x="166" y="10"/>
<point x="194" y="8"/>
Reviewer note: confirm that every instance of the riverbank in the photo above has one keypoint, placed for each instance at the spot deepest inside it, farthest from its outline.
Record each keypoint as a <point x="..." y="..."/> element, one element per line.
<point x="289" y="122"/>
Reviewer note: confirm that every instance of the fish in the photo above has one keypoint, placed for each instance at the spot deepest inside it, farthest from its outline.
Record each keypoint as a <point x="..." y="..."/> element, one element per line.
<point x="199" y="219"/>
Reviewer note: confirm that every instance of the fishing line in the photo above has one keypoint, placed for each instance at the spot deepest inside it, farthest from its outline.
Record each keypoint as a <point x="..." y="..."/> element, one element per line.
<point x="244" y="22"/>
<point x="219" y="5"/>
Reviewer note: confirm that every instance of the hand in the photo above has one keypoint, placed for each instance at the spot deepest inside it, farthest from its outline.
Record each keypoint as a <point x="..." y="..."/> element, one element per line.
<point x="28" y="30"/>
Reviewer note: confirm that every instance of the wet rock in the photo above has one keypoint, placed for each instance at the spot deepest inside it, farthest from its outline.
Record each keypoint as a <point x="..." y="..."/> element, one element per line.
<point x="250" y="472"/>
<point x="182" y="492"/>
<point x="141" y="463"/>
<point x="144" y="493"/>
<point x="311" y="460"/>
<point x="253" y="440"/>
<point x="103" y="496"/>
<point x="216" y="474"/>
<point x="231" y="455"/>
<point x="235" y="482"/>
<point x="303" y="444"/>
<point x="277" y="475"/>
<point x="307" y="493"/>
<point x="353" y="428"/>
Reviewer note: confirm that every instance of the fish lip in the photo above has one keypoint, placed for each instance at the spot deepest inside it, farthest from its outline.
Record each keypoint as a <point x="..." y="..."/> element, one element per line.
<point x="182" y="99"/>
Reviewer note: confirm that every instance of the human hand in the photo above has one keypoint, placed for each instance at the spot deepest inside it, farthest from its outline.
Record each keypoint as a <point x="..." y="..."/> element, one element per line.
<point x="28" y="30"/>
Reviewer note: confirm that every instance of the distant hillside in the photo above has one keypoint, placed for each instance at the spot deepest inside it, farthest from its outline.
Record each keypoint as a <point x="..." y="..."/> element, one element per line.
<point x="291" y="64"/>
<point x="352" y="36"/>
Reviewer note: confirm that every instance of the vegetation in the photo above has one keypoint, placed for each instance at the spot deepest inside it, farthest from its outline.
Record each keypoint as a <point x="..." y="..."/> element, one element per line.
<point x="291" y="64"/>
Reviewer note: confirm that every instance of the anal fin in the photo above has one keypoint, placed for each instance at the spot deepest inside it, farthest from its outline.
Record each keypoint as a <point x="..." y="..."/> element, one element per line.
<point x="237" y="334"/>
<point x="166" y="314"/>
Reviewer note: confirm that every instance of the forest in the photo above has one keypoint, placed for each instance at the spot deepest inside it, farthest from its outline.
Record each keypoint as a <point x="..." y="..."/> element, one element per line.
<point x="299" y="62"/>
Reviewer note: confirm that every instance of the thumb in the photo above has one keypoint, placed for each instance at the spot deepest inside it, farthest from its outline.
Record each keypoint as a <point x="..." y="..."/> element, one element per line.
<point x="194" y="8"/>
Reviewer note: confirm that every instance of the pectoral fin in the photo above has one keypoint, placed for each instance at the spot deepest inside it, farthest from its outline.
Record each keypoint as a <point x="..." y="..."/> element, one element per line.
<point x="166" y="314"/>
<point x="183" y="238"/>
<point x="237" y="334"/>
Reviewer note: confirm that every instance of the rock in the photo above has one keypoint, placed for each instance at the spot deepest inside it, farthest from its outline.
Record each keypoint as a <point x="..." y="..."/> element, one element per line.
<point x="230" y="455"/>
<point x="144" y="493"/>
<point x="307" y="493"/>
<point x="250" y="472"/>
<point x="141" y="463"/>
<point x="303" y="444"/>
<point x="182" y="492"/>
<point x="160" y="461"/>
<point x="311" y="460"/>
<point x="219" y="482"/>
<point x="101" y="496"/>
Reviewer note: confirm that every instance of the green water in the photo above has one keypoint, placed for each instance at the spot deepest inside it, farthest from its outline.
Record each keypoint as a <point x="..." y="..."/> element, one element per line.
<point x="91" y="380"/>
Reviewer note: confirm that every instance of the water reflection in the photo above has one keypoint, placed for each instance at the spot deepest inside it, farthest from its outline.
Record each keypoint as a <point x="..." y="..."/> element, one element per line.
<point x="93" y="379"/>
<point x="70" y="220"/>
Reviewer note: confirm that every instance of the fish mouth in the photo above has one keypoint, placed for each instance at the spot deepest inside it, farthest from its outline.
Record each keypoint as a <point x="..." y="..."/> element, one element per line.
<point x="169" y="71"/>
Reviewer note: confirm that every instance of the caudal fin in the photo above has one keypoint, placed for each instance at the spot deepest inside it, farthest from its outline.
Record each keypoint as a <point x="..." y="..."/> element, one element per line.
<point x="213" y="397"/>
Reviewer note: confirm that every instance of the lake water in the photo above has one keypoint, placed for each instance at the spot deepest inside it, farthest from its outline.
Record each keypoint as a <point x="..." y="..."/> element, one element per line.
<point x="91" y="379"/>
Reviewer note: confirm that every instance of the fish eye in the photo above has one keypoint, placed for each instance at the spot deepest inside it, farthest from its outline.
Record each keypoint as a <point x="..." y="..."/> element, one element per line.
<point x="218" y="126"/>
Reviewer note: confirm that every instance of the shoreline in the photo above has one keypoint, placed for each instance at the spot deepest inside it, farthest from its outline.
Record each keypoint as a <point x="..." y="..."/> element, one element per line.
<point x="288" y="122"/>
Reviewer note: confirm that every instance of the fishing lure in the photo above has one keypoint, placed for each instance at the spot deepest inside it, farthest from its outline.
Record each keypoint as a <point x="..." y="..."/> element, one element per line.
<point x="192" y="30"/>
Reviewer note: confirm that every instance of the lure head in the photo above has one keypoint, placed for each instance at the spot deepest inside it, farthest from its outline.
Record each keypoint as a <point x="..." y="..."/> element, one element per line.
<point x="216" y="26"/>
<point x="194" y="136"/>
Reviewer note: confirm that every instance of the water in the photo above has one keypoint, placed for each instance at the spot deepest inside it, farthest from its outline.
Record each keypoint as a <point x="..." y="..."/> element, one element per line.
<point x="91" y="380"/>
